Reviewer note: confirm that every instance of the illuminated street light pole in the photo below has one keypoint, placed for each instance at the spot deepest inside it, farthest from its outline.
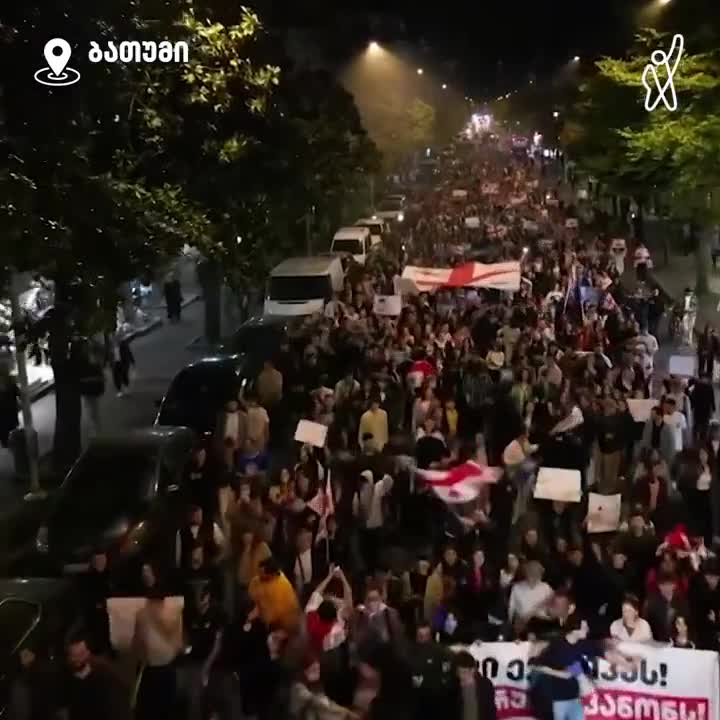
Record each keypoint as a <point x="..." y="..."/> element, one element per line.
<point x="420" y="71"/>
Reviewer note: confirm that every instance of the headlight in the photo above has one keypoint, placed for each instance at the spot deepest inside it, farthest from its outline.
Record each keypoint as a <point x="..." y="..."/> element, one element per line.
<point x="401" y="217"/>
<point x="41" y="540"/>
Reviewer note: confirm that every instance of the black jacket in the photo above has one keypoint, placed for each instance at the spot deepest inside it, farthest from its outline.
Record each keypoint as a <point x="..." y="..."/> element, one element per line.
<point x="485" y="700"/>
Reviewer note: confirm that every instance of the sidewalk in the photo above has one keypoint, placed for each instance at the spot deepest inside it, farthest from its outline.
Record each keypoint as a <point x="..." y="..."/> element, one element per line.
<point x="679" y="274"/>
<point x="158" y="355"/>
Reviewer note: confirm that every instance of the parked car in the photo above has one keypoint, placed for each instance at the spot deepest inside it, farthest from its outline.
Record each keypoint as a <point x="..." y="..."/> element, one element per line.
<point x="35" y="614"/>
<point x="126" y="494"/>
<point x="198" y="392"/>
<point x="258" y="339"/>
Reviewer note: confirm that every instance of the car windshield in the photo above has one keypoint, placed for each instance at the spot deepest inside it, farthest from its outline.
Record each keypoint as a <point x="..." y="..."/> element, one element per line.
<point x="109" y="481"/>
<point x="197" y="395"/>
<point x="391" y="204"/>
<point x="300" y="288"/>
<point x="347" y="245"/>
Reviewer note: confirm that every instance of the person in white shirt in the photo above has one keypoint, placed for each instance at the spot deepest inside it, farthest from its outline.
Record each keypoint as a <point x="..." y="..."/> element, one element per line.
<point x="529" y="598"/>
<point x="631" y="627"/>
<point x="677" y="423"/>
<point x="368" y="506"/>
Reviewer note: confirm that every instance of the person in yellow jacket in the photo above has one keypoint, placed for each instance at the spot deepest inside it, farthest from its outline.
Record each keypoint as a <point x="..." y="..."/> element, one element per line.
<point x="274" y="598"/>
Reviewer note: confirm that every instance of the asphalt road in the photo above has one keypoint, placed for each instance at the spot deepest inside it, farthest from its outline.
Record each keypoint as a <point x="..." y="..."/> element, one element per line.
<point x="159" y="355"/>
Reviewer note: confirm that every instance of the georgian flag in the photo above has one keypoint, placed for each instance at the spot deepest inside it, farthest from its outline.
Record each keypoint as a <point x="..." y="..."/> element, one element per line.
<point x="324" y="506"/>
<point x="460" y="484"/>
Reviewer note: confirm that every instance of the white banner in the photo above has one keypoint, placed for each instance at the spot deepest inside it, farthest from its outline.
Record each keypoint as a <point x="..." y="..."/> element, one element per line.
<point x="518" y="199"/>
<point x="459" y="194"/>
<point x="390" y="305"/>
<point x="558" y="484"/>
<point x="670" y="684"/>
<point x="472" y="222"/>
<point x="311" y="433"/>
<point x="603" y="513"/>
<point x="571" y="223"/>
<point x="498" y="276"/>
<point x="489" y="188"/>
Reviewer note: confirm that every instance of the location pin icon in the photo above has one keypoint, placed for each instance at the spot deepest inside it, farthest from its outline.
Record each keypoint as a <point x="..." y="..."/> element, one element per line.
<point x="57" y="53"/>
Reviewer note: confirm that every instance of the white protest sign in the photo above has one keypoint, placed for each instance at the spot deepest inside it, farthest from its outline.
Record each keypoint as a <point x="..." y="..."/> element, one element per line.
<point x="571" y="223"/>
<point x="472" y="222"/>
<point x="489" y="188"/>
<point x="558" y="484"/>
<point x="603" y="513"/>
<point x="518" y="199"/>
<point x="530" y="225"/>
<point x="683" y="365"/>
<point x="532" y="184"/>
<point x="459" y="194"/>
<point x="641" y="409"/>
<point x="122" y="615"/>
<point x="311" y="433"/>
<point x="387" y="305"/>
<point x="582" y="194"/>
<point x="668" y="683"/>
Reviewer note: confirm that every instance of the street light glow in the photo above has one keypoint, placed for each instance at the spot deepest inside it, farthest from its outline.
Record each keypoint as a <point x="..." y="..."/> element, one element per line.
<point x="665" y="2"/>
<point x="556" y="114"/>
<point x="576" y="58"/>
<point x="444" y="86"/>
<point x="420" y="71"/>
<point x="373" y="46"/>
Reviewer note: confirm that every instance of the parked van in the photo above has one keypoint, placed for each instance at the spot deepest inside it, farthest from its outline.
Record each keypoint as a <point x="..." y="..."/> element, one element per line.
<point x="354" y="241"/>
<point x="377" y="229"/>
<point x="303" y="285"/>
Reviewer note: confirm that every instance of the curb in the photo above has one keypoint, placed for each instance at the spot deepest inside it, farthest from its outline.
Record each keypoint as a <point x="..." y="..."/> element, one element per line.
<point x="48" y="386"/>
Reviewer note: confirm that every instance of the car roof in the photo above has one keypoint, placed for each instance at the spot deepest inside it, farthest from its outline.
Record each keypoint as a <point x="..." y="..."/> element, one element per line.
<point x="154" y="437"/>
<point x="317" y="265"/>
<point x="351" y="233"/>
<point x="38" y="590"/>
<point x="371" y="221"/>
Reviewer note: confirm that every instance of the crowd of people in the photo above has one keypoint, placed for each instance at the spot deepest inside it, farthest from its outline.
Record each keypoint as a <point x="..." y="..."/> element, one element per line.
<point x="331" y="581"/>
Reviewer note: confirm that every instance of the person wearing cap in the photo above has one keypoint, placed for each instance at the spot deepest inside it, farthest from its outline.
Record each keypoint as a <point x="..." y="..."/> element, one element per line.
<point x="474" y="693"/>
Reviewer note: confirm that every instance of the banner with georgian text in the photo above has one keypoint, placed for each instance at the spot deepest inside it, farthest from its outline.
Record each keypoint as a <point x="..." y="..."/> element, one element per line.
<point x="670" y="684"/>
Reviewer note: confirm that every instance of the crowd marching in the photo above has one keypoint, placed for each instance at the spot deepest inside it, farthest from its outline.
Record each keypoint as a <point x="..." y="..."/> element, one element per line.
<point x="350" y="577"/>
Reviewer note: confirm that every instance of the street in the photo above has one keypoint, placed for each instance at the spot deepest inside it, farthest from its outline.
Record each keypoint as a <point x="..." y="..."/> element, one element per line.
<point x="159" y="355"/>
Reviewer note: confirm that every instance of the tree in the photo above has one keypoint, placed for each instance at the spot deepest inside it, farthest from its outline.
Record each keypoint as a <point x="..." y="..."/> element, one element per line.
<point x="103" y="180"/>
<point x="682" y="146"/>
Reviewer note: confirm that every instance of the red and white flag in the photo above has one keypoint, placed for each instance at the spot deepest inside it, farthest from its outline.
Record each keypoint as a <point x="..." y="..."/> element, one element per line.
<point x="498" y="276"/>
<point x="324" y="506"/>
<point x="460" y="484"/>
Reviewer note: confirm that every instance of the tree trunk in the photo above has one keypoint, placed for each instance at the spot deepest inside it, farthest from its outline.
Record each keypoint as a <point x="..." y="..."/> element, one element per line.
<point x="703" y="263"/>
<point x="67" y="439"/>
<point x="210" y="277"/>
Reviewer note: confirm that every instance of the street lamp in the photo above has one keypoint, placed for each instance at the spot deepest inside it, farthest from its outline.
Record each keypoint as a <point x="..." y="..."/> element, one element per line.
<point x="665" y="2"/>
<point x="373" y="46"/>
<point x="420" y="71"/>
<point x="444" y="86"/>
<point x="556" y="114"/>
<point x="576" y="58"/>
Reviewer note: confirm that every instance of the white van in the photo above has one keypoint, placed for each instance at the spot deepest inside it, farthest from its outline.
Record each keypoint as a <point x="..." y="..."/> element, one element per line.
<point x="353" y="241"/>
<point x="377" y="229"/>
<point x="303" y="286"/>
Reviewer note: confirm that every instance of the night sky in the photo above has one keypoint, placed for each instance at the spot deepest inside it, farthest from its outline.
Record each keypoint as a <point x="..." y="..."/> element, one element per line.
<point x="489" y="43"/>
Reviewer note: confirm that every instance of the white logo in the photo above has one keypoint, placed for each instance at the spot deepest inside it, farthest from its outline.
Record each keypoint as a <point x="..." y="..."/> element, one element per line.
<point x="57" y="54"/>
<point x="660" y="59"/>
